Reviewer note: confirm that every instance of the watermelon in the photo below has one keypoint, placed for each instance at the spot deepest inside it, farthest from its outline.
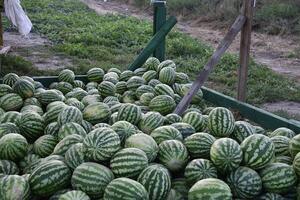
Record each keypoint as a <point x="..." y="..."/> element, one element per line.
<point x="64" y="87"/>
<point x="144" y="142"/>
<point x="32" y="101"/>
<point x="11" y="116"/>
<point x="199" y="144"/>
<point x="210" y="188"/>
<point x="226" y="154"/>
<point x="278" y="177"/>
<point x="76" y="103"/>
<point x="283" y="132"/>
<point x="184" y="128"/>
<point x="199" y="169"/>
<point x="44" y="145"/>
<point x="245" y="183"/>
<point x="182" y="78"/>
<point x="129" y="162"/>
<point x="24" y="88"/>
<point x="10" y="79"/>
<point x="11" y="102"/>
<point x="101" y="144"/>
<point x="49" y="177"/>
<point x="294" y="145"/>
<point x="52" y="114"/>
<point x="163" y="89"/>
<point x="49" y="96"/>
<point x="75" y="156"/>
<point x="62" y="147"/>
<point x="8" y="167"/>
<point x="57" y="194"/>
<point x="163" y="104"/>
<point x="281" y="144"/>
<point x="29" y="162"/>
<point x="172" y="118"/>
<point x="95" y="74"/>
<point x="129" y="97"/>
<point x="106" y="89"/>
<point x="87" y="126"/>
<point x="91" y="178"/>
<point x="270" y="196"/>
<point x="51" y="129"/>
<point x="296" y="164"/>
<point x="149" y="75"/>
<point x="180" y="186"/>
<point x="196" y="120"/>
<point x="156" y="180"/>
<point x="140" y="71"/>
<point x="167" y="75"/>
<point x="5" y="89"/>
<point x="8" y="127"/>
<point x="96" y="113"/>
<point x="130" y="112"/>
<point x="121" y="87"/>
<point x="13" y="147"/>
<point x="124" y="129"/>
<point x="242" y="130"/>
<point x="143" y="89"/>
<point x="66" y="75"/>
<point x="163" y="133"/>
<point x="173" y="154"/>
<point x="146" y="98"/>
<point x="69" y="114"/>
<point x="185" y="90"/>
<point x="74" y="195"/>
<point x="259" y="130"/>
<point x="284" y="159"/>
<point x="126" y="75"/>
<point x="166" y="63"/>
<point x="31" y="125"/>
<point x="32" y="108"/>
<point x="151" y="121"/>
<point x="13" y="187"/>
<point x="221" y="122"/>
<point x="258" y="151"/>
<point x="69" y="129"/>
<point x="152" y="63"/>
<point x="79" y="84"/>
<point x="77" y="93"/>
<point x="134" y="82"/>
<point x="154" y="82"/>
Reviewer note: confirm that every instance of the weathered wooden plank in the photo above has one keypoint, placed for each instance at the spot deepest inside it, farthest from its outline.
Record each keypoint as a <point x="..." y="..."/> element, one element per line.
<point x="203" y="76"/>
<point x="247" y="10"/>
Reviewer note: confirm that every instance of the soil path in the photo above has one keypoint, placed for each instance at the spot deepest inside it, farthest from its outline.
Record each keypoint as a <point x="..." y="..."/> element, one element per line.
<point x="272" y="51"/>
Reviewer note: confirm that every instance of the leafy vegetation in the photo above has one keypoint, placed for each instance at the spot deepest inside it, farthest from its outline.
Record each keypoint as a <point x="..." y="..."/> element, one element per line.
<point x="114" y="41"/>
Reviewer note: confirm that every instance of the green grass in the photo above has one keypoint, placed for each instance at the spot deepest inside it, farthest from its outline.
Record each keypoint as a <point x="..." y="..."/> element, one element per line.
<point x="114" y="41"/>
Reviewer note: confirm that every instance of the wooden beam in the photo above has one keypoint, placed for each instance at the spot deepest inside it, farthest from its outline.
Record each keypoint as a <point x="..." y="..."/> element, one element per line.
<point x="203" y="76"/>
<point x="247" y="11"/>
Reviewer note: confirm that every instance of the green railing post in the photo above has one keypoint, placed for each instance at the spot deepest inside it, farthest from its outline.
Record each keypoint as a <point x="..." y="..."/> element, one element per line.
<point x="159" y="19"/>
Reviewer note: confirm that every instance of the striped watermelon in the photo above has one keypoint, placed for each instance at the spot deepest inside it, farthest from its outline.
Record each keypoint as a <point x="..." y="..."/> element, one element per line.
<point x="10" y="79"/>
<point x="44" y="145"/>
<point x="174" y="195"/>
<point x="146" y="98"/>
<point x="180" y="186"/>
<point x="64" y="87"/>
<point x="154" y="82"/>
<point x="1" y="112"/>
<point x="110" y="78"/>
<point x="52" y="114"/>
<point x="283" y="132"/>
<point x="245" y="183"/>
<point x="8" y="167"/>
<point x="130" y="112"/>
<point x="199" y="169"/>
<point x="149" y="75"/>
<point x="115" y="70"/>
<point x="259" y="130"/>
<point x="270" y="196"/>
<point x="186" y="88"/>
<point x="196" y="120"/>
<point x="24" y="88"/>
<point x="152" y="63"/>
<point x="296" y="164"/>
<point x="284" y="159"/>
<point x="125" y="188"/>
<point x="29" y="162"/>
<point x="129" y="162"/>
<point x="166" y="63"/>
<point x="5" y="89"/>
<point x="184" y="128"/>
<point x="31" y="125"/>
<point x="101" y="144"/>
<point x="135" y="82"/>
<point x="210" y="188"/>
<point x="69" y="114"/>
<point x="66" y="75"/>
<point x="163" y="104"/>
<point x="8" y="127"/>
<point x="62" y="147"/>
<point x="294" y="145"/>
<point x="221" y="122"/>
<point x="32" y="108"/>
<point x="164" y="133"/>
<point x="11" y="117"/>
<point x="32" y="101"/>
<point x="281" y="144"/>
<point x="151" y="121"/>
<point x="140" y="71"/>
<point x="173" y="154"/>
<point x="49" y="96"/>
<point x="124" y="129"/>
<point x="157" y="181"/>
<point x="226" y="154"/>
<point x="13" y="147"/>
<point x="49" y="177"/>
<point x="163" y="89"/>
<point x="96" y="113"/>
<point x="101" y="125"/>
<point x="257" y="158"/>
<point x="199" y="144"/>
<point x="121" y="87"/>
<point x="95" y="74"/>
<point x="55" y="104"/>
<point x="52" y="129"/>
<point x="143" y="89"/>
<point x="76" y="103"/>
<point x="182" y="78"/>
<point x="242" y="130"/>
<point x="75" y="156"/>
<point x="144" y="142"/>
<point x="57" y="194"/>
<point x="106" y="89"/>
<point x="278" y="177"/>
<point x="172" y="118"/>
<point x="91" y="85"/>
<point x="77" y="93"/>
<point x="88" y="127"/>
<point x="79" y="84"/>
<point x="91" y="178"/>
<point x="13" y="187"/>
<point x="126" y="75"/>
<point x="74" y="195"/>
<point x="11" y="102"/>
<point x="167" y="75"/>
<point x="69" y="129"/>
<point x="93" y="91"/>
<point x="129" y="97"/>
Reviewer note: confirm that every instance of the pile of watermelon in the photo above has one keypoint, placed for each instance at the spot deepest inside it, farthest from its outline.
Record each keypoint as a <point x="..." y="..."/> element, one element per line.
<point x="116" y="138"/>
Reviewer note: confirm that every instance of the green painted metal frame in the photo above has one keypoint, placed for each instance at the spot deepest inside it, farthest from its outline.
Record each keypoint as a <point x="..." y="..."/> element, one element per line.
<point x="257" y="115"/>
<point x="159" y="19"/>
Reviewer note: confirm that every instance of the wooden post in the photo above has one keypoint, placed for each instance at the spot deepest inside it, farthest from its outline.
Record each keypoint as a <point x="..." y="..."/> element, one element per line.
<point x="247" y="11"/>
<point x="203" y="76"/>
<point x="159" y="19"/>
